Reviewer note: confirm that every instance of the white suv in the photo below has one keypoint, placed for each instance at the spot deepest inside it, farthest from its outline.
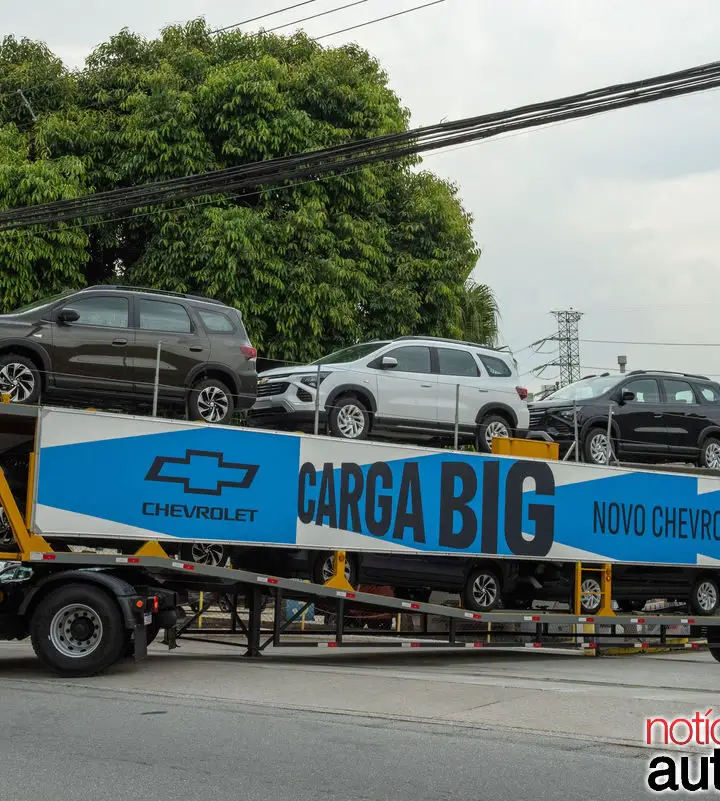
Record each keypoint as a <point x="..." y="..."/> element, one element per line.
<point x="409" y="388"/>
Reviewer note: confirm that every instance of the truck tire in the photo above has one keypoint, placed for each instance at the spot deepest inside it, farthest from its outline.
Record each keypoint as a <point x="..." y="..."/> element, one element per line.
<point x="77" y="630"/>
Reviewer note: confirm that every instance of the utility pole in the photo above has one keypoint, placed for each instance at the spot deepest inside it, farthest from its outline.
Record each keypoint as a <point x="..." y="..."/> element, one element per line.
<point x="568" y="340"/>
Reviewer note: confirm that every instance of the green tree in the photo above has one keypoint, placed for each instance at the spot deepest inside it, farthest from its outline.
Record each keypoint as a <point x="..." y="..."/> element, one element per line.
<point x="478" y="314"/>
<point x="371" y="252"/>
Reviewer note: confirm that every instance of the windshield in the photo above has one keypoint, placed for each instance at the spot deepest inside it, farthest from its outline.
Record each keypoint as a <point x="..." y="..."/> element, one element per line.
<point x="587" y="389"/>
<point x="37" y="304"/>
<point x="351" y="354"/>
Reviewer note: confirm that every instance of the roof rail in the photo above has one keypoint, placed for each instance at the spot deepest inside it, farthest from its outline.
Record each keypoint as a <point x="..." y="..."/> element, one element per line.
<point x="670" y="372"/>
<point x="453" y="341"/>
<point x="151" y="291"/>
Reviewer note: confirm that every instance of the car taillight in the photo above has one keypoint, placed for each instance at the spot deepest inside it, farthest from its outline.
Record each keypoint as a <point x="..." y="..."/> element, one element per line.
<point x="522" y="393"/>
<point x="156" y="604"/>
<point x="249" y="352"/>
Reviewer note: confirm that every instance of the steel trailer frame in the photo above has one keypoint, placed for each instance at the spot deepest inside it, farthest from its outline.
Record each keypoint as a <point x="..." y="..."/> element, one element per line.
<point x="466" y="629"/>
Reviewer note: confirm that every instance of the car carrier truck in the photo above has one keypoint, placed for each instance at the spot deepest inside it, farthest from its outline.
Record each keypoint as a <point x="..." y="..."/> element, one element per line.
<point x="79" y="480"/>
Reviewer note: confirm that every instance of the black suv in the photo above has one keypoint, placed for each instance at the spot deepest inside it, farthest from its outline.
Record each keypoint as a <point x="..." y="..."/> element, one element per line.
<point x="104" y="344"/>
<point x="656" y="417"/>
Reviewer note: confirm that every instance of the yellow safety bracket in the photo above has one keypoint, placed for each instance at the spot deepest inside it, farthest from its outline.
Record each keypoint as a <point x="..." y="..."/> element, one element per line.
<point x="605" y="571"/>
<point x="338" y="580"/>
<point x="529" y="448"/>
<point x="26" y="541"/>
<point x="152" y="548"/>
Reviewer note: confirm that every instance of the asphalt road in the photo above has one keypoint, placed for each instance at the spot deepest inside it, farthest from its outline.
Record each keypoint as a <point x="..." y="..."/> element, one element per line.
<point x="71" y="742"/>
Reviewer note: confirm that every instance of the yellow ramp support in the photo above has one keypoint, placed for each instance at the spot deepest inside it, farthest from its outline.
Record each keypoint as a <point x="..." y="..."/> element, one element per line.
<point x="529" y="448"/>
<point x="152" y="548"/>
<point x="26" y="541"/>
<point x="338" y="580"/>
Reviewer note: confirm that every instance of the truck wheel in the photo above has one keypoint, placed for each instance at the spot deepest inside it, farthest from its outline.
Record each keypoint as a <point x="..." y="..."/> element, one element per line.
<point x="482" y="591"/>
<point x="77" y="630"/>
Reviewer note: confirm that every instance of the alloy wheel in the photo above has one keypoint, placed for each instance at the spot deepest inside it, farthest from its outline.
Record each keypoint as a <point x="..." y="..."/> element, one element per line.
<point x="351" y="421"/>
<point x="6" y="535"/>
<point x="599" y="448"/>
<point x="706" y="596"/>
<point x="327" y="571"/>
<point x="208" y="553"/>
<point x="494" y="430"/>
<point x="213" y="404"/>
<point x="590" y="598"/>
<point x="485" y="590"/>
<point x="712" y="455"/>
<point x="17" y="381"/>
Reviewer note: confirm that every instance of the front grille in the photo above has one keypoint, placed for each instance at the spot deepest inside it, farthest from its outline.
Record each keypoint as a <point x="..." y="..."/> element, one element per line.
<point x="304" y="395"/>
<point x="537" y="418"/>
<point x="274" y="388"/>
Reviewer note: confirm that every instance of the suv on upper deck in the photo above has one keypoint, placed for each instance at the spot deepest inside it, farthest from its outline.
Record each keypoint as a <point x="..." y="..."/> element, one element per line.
<point x="656" y="417"/>
<point x="100" y="345"/>
<point x="407" y="387"/>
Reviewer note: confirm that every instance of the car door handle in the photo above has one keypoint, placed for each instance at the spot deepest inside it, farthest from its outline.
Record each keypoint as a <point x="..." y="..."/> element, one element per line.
<point x="657" y="415"/>
<point x="196" y="348"/>
<point x="119" y="341"/>
<point x="482" y="390"/>
<point x="426" y="385"/>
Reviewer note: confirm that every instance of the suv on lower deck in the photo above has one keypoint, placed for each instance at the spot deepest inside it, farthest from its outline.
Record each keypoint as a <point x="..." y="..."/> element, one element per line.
<point x="411" y="387"/>
<point x="104" y="345"/>
<point x="656" y="417"/>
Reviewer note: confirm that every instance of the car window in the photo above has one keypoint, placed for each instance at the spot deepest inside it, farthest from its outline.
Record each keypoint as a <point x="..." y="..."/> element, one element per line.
<point x="710" y="393"/>
<point x="161" y="315"/>
<point x="411" y="359"/>
<point x="216" y="321"/>
<point x="496" y="368"/>
<point x="646" y="390"/>
<point x="104" y="312"/>
<point x="678" y="391"/>
<point x="457" y="362"/>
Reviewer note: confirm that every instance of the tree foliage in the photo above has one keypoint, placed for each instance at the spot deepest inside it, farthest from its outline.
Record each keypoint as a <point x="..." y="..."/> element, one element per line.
<point x="374" y="252"/>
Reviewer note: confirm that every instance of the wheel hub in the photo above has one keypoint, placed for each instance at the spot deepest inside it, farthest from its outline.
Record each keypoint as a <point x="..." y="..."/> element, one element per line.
<point x="76" y="630"/>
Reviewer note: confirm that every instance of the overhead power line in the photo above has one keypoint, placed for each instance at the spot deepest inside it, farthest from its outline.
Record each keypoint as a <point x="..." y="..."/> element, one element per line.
<point x="315" y="16"/>
<point x="658" y="344"/>
<point x="364" y="152"/>
<point x="263" y="16"/>
<point x="379" y="19"/>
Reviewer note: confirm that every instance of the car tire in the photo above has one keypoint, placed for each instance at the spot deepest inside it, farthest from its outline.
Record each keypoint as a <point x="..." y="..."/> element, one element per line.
<point x="710" y="454"/>
<point x="705" y="596"/>
<point x="213" y="554"/>
<point x="490" y="427"/>
<point x="323" y="566"/>
<point x="349" y="418"/>
<point x="482" y="591"/>
<point x="595" y="447"/>
<point x="590" y="597"/>
<point x="211" y="402"/>
<point x="83" y="650"/>
<point x="19" y="378"/>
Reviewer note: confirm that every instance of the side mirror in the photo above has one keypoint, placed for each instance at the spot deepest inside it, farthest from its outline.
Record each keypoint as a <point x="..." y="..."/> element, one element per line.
<point x="626" y="396"/>
<point x="67" y="316"/>
<point x="388" y="363"/>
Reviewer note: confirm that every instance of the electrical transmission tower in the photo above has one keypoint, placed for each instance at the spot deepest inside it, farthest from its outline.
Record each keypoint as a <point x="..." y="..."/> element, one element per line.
<point x="568" y="340"/>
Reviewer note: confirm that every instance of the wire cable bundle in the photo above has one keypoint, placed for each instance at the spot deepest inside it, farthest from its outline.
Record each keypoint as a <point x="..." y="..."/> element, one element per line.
<point x="390" y="147"/>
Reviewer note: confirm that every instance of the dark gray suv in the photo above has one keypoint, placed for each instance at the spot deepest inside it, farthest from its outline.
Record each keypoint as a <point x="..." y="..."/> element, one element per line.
<point x="104" y="343"/>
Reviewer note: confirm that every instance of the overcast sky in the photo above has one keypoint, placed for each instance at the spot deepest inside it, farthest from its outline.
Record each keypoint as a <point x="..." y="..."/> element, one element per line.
<point x="615" y="216"/>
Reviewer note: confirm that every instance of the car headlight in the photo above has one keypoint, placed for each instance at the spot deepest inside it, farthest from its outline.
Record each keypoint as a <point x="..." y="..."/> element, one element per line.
<point x="564" y="414"/>
<point x="312" y="380"/>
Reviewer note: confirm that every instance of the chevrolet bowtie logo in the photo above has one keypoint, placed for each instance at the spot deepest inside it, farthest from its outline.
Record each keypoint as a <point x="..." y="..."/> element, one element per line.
<point x="202" y="472"/>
